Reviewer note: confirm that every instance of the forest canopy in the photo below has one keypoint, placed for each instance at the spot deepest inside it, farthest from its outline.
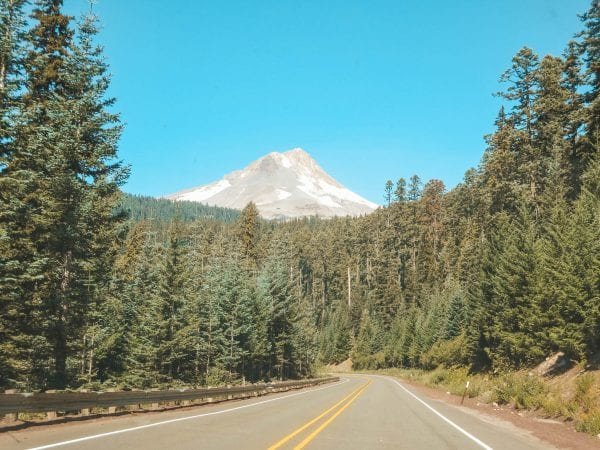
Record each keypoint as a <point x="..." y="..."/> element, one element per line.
<point x="98" y="287"/>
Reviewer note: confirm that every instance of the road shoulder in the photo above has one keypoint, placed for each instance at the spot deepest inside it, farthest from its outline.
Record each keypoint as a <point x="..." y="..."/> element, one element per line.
<point x="556" y="433"/>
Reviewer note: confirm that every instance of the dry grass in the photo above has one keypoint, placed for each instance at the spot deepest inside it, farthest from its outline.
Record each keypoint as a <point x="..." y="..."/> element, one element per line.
<point x="574" y="396"/>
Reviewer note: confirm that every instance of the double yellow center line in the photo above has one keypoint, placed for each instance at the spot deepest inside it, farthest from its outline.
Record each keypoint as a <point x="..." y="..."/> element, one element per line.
<point x="342" y="405"/>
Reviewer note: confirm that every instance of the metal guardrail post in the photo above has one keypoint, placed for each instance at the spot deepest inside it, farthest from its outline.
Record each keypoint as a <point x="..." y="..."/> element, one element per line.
<point x="50" y="402"/>
<point x="112" y="409"/>
<point x="51" y="414"/>
<point x="11" y="417"/>
<point x="84" y="411"/>
<point x="154" y="405"/>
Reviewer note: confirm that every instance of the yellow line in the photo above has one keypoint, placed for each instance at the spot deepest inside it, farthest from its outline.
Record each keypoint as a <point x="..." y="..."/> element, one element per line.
<point x="311" y="436"/>
<point x="308" y="424"/>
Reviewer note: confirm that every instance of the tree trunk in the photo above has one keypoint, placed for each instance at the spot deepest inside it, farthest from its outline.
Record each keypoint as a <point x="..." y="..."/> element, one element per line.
<point x="349" y="288"/>
<point x="59" y="331"/>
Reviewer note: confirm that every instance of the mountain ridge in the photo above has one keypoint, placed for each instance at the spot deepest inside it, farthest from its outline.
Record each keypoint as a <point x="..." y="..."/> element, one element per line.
<point x="286" y="184"/>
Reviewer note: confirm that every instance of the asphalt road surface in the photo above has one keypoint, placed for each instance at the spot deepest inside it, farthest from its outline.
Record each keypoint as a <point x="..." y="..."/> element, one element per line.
<point x="358" y="412"/>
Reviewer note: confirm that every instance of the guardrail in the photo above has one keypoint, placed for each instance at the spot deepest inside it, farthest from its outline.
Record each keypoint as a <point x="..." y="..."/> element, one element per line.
<point x="11" y="403"/>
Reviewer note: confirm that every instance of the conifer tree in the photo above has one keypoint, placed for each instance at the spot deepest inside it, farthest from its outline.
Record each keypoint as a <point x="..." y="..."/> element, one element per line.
<point x="499" y="174"/>
<point x="400" y="192"/>
<point x="389" y="187"/>
<point x="414" y="188"/>
<point x="522" y="89"/>
<point x="67" y="184"/>
<point x="590" y="41"/>
<point x="509" y="282"/>
<point x="172" y="300"/>
<point x="235" y="304"/>
<point x="585" y="231"/>
<point x="573" y="163"/>
<point x="12" y="22"/>
<point x="248" y="233"/>
<point x="430" y="219"/>
<point x="123" y="339"/>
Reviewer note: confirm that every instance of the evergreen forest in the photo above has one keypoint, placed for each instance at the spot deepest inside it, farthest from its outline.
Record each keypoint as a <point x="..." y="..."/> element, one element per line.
<point x="102" y="288"/>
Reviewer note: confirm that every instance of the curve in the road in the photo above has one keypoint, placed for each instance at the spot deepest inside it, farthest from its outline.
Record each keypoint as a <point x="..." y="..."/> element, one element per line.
<point x="388" y="414"/>
<point x="290" y="436"/>
<point x="324" y="425"/>
<point x="181" y="419"/>
<point x="444" y="418"/>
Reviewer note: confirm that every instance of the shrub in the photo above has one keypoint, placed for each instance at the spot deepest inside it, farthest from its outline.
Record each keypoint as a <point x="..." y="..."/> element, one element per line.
<point x="589" y="423"/>
<point x="368" y="362"/>
<point x="523" y="391"/>
<point x="217" y="376"/>
<point x="584" y="394"/>
<point x="448" y="353"/>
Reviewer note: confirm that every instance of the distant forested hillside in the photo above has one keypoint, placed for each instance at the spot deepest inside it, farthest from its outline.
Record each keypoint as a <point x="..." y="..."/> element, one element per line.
<point x="493" y="275"/>
<point x="139" y="207"/>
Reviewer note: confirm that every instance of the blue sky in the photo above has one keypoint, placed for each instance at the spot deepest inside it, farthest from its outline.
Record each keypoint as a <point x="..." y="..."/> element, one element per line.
<point x="374" y="90"/>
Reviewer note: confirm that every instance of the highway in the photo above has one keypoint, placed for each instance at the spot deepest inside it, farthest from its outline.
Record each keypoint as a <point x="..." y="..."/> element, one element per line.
<point x="358" y="412"/>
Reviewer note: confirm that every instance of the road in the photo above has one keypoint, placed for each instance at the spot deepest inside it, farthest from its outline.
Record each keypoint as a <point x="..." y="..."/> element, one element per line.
<point x="358" y="412"/>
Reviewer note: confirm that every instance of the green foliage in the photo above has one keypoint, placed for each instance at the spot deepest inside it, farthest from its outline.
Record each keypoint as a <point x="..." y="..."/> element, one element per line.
<point x="335" y="338"/>
<point x="522" y="391"/>
<point x="577" y="401"/>
<point x="367" y="353"/>
<point x="491" y="276"/>
<point x="453" y="352"/>
<point x="140" y="207"/>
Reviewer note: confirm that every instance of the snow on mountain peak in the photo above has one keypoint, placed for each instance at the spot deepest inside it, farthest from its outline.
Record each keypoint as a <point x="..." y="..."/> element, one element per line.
<point x="282" y="185"/>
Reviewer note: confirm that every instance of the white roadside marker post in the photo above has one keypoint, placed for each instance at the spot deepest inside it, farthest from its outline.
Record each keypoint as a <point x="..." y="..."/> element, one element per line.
<point x="462" y="400"/>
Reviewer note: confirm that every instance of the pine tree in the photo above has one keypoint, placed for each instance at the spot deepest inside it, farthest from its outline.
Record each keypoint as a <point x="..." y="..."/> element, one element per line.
<point x="414" y="188"/>
<point x="586" y="234"/>
<point x="431" y="220"/>
<point x="456" y="316"/>
<point x="499" y="163"/>
<point x="388" y="190"/>
<point x="509" y="280"/>
<point x="522" y="92"/>
<point x="12" y="32"/>
<point x="368" y="347"/>
<point x="66" y="186"/>
<point x="123" y="337"/>
<point x="248" y="233"/>
<point x="573" y="163"/>
<point x="400" y="192"/>
<point x="210" y="315"/>
<point x="561" y="295"/>
<point x="28" y="177"/>
<point x="172" y="300"/>
<point x="235" y="304"/>
<point x="551" y="114"/>
<point x="590" y="41"/>
<point x="522" y="89"/>
<point x="12" y="52"/>
<point x="304" y="340"/>
<point x="335" y="339"/>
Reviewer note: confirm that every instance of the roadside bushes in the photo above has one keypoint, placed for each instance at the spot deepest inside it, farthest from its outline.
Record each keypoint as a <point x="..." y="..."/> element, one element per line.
<point x="522" y="391"/>
<point x="587" y="400"/>
<point x="450" y="353"/>
<point x="368" y="362"/>
<point x="575" y="399"/>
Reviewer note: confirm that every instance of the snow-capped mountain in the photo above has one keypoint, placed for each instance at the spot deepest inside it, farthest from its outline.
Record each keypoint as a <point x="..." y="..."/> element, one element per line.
<point x="288" y="184"/>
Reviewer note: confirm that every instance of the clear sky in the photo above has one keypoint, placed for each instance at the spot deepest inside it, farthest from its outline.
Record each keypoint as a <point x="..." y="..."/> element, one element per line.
<point x="372" y="89"/>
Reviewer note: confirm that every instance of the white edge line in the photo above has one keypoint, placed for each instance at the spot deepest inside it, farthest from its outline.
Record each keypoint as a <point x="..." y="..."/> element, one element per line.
<point x="181" y="419"/>
<point x="466" y="433"/>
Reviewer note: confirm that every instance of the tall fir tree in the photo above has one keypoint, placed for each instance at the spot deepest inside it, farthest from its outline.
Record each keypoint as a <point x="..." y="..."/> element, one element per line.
<point x="67" y="182"/>
<point x="12" y="53"/>
<point x="590" y="42"/>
